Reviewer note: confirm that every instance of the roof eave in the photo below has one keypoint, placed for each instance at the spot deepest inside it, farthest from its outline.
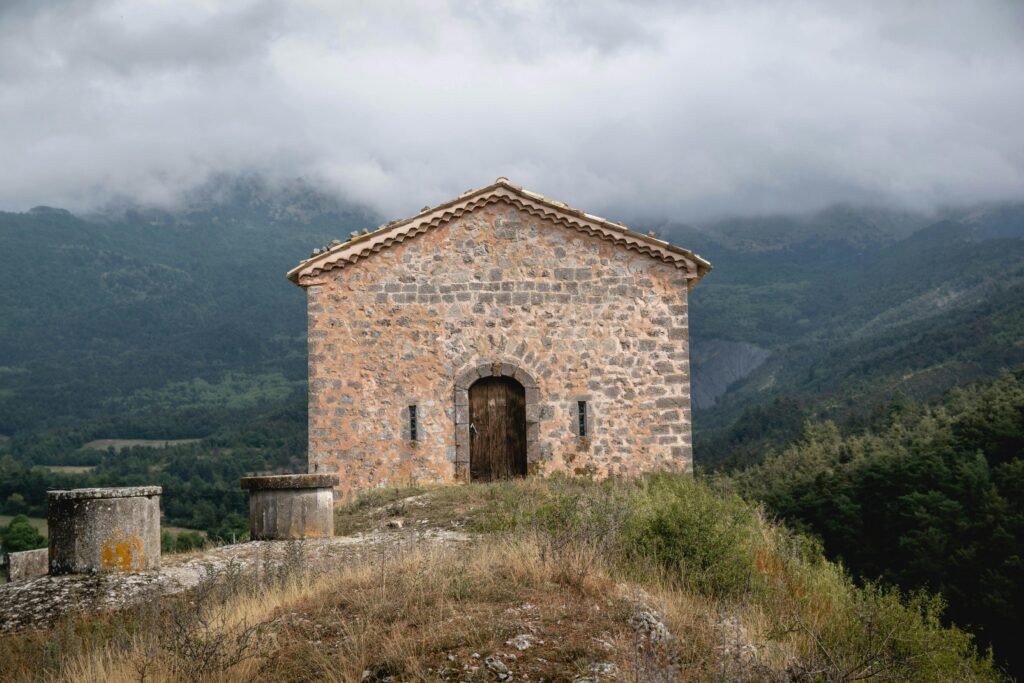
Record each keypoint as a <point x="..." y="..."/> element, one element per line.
<point x="294" y="273"/>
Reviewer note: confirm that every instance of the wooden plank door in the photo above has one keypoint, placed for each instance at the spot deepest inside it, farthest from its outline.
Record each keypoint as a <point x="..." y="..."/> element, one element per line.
<point x="497" y="429"/>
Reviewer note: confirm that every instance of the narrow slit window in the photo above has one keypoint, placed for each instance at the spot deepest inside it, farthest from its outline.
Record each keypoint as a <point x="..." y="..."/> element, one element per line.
<point x="582" y="410"/>
<point x="412" y="423"/>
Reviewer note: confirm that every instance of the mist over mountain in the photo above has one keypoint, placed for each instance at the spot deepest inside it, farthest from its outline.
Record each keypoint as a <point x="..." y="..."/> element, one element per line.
<point x="138" y="300"/>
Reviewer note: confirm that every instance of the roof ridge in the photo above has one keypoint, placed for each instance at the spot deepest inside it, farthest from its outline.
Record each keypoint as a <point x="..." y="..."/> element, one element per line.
<point x="379" y="239"/>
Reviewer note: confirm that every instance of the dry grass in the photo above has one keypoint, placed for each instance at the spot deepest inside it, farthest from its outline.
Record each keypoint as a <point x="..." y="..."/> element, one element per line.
<point x="552" y="572"/>
<point x="436" y="507"/>
<point x="427" y="614"/>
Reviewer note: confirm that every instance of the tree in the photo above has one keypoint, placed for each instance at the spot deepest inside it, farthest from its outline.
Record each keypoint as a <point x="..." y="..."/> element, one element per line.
<point x="15" y="503"/>
<point x="21" y="535"/>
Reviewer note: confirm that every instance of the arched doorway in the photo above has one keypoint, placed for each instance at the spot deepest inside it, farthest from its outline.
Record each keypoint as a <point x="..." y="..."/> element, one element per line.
<point x="497" y="429"/>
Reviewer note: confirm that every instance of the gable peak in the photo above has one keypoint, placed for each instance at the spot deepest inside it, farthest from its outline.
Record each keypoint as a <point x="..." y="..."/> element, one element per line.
<point x="339" y="254"/>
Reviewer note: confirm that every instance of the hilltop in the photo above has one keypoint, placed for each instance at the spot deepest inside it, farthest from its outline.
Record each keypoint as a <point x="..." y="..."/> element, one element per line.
<point x="555" y="579"/>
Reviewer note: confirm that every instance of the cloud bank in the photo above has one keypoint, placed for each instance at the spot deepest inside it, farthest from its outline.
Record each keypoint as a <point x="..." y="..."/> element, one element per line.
<point x="638" y="110"/>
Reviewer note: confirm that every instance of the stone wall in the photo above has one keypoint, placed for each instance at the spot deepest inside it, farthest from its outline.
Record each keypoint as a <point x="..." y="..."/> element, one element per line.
<point x="581" y="317"/>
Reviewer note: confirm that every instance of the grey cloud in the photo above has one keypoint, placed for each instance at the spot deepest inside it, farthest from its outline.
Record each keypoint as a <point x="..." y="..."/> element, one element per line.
<point x="636" y="110"/>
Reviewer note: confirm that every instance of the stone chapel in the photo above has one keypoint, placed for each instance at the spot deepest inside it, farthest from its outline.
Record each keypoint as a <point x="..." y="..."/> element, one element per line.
<point x="499" y="334"/>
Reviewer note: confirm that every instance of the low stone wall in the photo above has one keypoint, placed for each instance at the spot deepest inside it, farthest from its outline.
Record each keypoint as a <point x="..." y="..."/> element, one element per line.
<point x="104" y="530"/>
<point x="27" y="564"/>
<point x="291" y="506"/>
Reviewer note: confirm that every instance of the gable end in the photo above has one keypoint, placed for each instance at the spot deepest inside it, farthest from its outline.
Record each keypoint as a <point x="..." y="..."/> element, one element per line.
<point x="363" y="246"/>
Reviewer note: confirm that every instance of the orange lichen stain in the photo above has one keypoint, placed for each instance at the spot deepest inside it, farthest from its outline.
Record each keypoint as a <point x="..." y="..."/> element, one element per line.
<point x="121" y="554"/>
<point x="314" y="532"/>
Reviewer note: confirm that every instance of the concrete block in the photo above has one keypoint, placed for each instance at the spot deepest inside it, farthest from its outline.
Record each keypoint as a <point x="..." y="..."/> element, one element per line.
<point x="291" y="506"/>
<point x="104" y="530"/>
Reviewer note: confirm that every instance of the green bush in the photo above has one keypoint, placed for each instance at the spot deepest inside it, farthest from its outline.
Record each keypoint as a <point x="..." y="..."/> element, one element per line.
<point x="875" y="633"/>
<point x="166" y="542"/>
<point x="702" y="538"/>
<point x="21" y="535"/>
<point x="188" y="541"/>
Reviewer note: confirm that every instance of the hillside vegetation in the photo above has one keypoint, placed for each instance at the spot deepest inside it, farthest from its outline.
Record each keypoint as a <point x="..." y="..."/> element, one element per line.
<point x="932" y="498"/>
<point x="656" y="580"/>
<point x="142" y="312"/>
<point x="850" y="308"/>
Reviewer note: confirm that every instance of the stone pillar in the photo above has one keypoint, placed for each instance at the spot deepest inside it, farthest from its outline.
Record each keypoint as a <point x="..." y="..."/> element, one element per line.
<point x="104" y="530"/>
<point x="290" y="506"/>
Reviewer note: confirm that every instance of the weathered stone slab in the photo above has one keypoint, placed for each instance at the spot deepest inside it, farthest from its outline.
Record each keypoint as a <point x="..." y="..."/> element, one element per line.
<point x="28" y="564"/>
<point x="289" y="481"/>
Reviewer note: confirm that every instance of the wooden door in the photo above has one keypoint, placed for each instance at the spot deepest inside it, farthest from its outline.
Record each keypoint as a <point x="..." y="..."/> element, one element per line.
<point x="497" y="429"/>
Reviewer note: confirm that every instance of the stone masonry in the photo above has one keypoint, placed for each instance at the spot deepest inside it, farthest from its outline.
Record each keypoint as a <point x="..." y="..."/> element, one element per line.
<point x="498" y="290"/>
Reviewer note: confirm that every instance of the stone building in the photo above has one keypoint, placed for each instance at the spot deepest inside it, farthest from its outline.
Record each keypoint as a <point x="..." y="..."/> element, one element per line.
<point x="498" y="334"/>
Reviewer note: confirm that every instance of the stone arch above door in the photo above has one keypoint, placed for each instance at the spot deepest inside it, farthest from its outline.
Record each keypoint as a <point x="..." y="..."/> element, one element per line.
<point x="464" y="380"/>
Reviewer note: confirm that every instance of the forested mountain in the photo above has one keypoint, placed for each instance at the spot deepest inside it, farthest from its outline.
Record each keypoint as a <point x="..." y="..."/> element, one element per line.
<point x="140" y="311"/>
<point x="135" y="311"/>
<point x="838" y="322"/>
<point x="143" y="323"/>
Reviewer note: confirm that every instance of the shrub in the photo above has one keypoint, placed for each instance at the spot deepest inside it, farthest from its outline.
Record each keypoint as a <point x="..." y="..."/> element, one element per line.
<point x="874" y="633"/>
<point x="703" y="539"/>
<point x="183" y="542"/>
<point x="20" y="535"/>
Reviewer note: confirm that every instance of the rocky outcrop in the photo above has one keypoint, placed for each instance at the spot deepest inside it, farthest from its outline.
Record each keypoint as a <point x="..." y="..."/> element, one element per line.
<point x="717" y="363"/>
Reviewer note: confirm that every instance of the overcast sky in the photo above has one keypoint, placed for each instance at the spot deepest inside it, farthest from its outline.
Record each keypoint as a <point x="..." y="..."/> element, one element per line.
<point x="639" y="110"/>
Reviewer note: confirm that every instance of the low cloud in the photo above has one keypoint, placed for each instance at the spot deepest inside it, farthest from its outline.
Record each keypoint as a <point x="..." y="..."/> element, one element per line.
<point x="636" y="110"/>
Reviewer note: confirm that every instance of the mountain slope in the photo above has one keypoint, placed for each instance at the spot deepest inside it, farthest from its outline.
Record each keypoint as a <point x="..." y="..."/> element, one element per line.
<point x="141" y="311"/>
<point x="929" y="498"/>
<point x="111" y="314"/>
<point x="845" y="326"/>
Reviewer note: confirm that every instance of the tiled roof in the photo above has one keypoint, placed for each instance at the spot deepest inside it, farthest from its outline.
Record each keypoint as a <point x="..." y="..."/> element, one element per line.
<point x="359" y="246"/>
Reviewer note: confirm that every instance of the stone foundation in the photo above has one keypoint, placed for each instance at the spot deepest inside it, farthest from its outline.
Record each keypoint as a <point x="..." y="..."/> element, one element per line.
<point x="27" y="564"/>
<point x="291" y="506"/>
<point x="104" y="530"/>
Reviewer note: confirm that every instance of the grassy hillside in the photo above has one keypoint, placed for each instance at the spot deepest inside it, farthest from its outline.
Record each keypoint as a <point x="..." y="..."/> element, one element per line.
<point x="659" y="580"/>
<point x="137" y="324"/>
